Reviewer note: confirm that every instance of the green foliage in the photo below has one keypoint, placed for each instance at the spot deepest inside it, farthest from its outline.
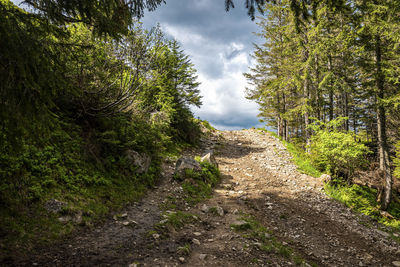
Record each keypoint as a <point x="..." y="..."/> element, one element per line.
<point x="106" y="17"/>
<point x="176" y="220"/>
<point x="198" y="185"/>
<point x="334" y="151"/>
<point x="29" y="81"/>
<point x="171" y="91"/>
<point x="208" y="126"/>
<point x="86" y="169"/>
<point x="302" y="160"/>
<point x="396" y="161"/>
<point x="363" y="200"/>
<point x="185" y="250"/>
<point x="72" y="102"/>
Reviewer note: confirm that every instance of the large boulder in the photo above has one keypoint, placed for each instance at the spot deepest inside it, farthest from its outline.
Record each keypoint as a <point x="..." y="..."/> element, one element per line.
<point x="141" y="162"/>
<point x="209" y="157"/>
<point x="183" y="164"/>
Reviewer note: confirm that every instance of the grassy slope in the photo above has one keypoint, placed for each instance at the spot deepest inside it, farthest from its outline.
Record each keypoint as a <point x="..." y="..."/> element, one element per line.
<point x="360" y="198"/>
<point x="91" y="175"/>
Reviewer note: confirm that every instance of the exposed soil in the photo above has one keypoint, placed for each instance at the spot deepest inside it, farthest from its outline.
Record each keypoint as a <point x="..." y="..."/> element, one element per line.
<point x="258" y="179"/>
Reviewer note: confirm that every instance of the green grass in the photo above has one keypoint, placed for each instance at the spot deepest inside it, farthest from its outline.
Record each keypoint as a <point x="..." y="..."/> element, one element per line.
<point x="185" y="250"/>
<point x="207" y="125"/>
<point x="359" y="198"/>
<point x="92" y="182"/>
<point x="254" y="230"/>
<point x="299" y="157"/>
<point x="197" y="186"/>
<point x="302" y="161"/>
<point x="363" y="199"/>
<point x="175" y="220"/>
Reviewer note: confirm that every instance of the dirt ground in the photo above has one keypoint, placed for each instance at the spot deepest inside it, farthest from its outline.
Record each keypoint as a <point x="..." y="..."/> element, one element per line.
<point x="301" y="224"/>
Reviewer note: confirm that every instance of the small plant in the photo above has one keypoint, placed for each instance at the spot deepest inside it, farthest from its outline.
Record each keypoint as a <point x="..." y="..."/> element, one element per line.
<point x="151" y="233"/>
<point x="242" y="226"/>
<point x="176" y="220"/>
<point x="185" y="250"/>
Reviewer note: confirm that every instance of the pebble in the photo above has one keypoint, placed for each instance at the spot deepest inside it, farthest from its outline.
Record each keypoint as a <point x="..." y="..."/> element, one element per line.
<point x="220" y="211"/>
<point x="383" y="233"/>
<point x="202" y="257"/>
<point x="156" y="236"/>
<point x="196" y="241"/>
<point x="197" y="233"/>
<point x="182" y="259"/>
<point x="204" y="208"/>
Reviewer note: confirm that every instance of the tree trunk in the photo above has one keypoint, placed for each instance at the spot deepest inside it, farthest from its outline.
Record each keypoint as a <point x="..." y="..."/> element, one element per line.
<point x="318" y="93"/>
<point x="306" y="115"/>
<point x="330" y="89"/>
<point x="384" y="163"/>
<point x="346" y="111"/>
<point x="278" y="117"/>
<point x="284" y="122"/>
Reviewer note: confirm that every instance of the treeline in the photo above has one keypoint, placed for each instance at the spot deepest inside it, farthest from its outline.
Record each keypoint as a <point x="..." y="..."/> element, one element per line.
<point x="332" y="70"/>
<point x="86" y="113"/>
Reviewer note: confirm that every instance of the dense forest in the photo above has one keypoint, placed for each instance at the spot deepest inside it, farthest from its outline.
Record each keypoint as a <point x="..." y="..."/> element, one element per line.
<point x="87" y="112"/>
<point x="329" y="81"/>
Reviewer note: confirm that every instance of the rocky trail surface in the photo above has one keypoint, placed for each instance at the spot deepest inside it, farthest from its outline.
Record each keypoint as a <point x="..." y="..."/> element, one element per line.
<point x="262" y="213"/>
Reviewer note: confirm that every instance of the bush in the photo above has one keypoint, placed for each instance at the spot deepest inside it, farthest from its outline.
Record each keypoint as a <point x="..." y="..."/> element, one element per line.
<point x="336" y="152"/>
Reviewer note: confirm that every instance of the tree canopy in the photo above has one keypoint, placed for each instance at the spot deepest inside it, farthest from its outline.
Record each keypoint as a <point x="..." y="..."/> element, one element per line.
<point x="339" y="61"/>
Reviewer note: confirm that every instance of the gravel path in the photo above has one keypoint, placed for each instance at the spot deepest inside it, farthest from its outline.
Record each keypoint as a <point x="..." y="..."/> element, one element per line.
<point x="259" y="181"/>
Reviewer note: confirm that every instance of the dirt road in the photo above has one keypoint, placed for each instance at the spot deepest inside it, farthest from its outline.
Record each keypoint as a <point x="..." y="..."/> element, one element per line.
<point x="263" y="213"/>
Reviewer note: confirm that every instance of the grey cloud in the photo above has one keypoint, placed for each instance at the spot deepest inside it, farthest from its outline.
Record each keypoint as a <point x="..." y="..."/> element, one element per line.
<point x="219" y="43"/>
<point x="207" y="17"/>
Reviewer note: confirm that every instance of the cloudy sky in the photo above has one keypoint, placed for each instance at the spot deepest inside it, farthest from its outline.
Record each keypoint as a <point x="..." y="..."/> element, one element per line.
<point x="219" y="44"/>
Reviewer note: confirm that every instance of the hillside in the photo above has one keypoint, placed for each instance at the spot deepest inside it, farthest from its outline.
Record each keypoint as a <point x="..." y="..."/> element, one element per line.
<point x="262" y="213"/>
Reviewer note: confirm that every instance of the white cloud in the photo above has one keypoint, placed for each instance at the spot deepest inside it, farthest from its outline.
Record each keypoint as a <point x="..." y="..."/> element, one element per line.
<point x="224" y="102"/>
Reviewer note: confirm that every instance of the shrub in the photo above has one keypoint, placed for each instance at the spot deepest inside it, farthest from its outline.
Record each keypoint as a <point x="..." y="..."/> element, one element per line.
<point x="336" y="152"/>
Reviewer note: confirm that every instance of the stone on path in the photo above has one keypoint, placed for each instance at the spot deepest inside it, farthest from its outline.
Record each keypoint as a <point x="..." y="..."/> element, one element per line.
<point x="220" y="211"/>
<point x="202" y="256"/>
<point x="209" y="157"/>
<point x="183" y="164"/>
